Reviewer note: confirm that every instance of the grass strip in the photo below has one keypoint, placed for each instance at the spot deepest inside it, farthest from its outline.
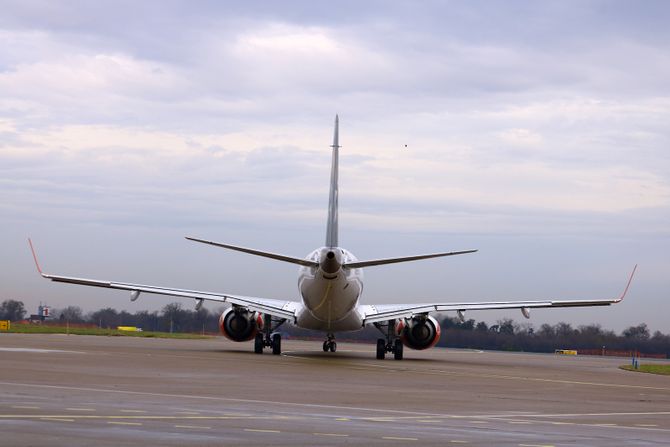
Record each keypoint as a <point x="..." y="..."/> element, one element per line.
<point x="49" y="329"/>
<point x="651" y="369"/>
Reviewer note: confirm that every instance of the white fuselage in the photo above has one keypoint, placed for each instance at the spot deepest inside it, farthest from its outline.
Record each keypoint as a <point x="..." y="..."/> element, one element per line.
<point x="330" y="293"/>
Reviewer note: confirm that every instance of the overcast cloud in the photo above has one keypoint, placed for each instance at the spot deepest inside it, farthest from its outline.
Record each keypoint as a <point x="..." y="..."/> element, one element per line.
<point x="535" y="131"/>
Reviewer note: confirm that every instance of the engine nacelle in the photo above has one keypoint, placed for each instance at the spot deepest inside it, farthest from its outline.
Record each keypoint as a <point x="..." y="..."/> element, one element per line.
<point x="239" y="324"/>
<point x="418" y="332"/>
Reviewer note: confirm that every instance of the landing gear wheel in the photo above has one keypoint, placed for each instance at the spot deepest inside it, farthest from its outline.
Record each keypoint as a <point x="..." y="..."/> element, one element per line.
<point x="333" y="346"/>
<point x="325" y="346"/>
<point x="397" y="349"/>
<point x="259" y="344"/>
<point x="276" y="344"/>
<point x="381" y="349"/>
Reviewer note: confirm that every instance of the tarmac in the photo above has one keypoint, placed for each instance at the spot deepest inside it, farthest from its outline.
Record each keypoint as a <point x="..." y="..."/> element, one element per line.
<point x="121" y="391"/>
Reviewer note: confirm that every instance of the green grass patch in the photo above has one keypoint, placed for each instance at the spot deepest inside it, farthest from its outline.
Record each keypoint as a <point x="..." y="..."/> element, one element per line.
<point x="49" y="329"/>
<point x="652" y="369"/>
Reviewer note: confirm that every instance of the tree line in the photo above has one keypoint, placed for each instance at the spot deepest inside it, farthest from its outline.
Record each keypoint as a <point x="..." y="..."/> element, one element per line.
<point x="511" y="336"/>
<point x="505" y="334"/>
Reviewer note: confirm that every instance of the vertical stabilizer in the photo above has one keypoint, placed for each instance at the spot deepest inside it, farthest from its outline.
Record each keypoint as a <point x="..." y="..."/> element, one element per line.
<point x="331" y="229"/>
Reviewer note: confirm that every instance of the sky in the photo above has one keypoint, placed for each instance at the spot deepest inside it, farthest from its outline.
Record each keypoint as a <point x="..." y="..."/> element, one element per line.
<point x="536" y="132"/>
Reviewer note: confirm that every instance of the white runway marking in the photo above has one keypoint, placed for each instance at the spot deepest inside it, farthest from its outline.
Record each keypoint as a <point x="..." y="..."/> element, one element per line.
<point x="338" y="408"/>
<point x="39" y="351"/>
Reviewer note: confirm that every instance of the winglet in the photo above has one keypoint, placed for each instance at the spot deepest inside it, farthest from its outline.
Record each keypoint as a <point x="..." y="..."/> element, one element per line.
<point x="37" y="264"/>
<point x="630" y="280"/>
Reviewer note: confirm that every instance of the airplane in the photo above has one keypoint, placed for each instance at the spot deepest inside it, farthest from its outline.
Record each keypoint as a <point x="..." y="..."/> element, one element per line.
<point x="330" y="284"/>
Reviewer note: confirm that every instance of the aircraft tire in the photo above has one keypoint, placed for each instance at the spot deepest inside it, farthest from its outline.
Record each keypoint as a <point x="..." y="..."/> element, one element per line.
<point x="381" y="349"/>
<point x="333" y="346"/>
<point x="276" y="344"/>
<point x="397" y="350"/>
<point x="258" y="344"/>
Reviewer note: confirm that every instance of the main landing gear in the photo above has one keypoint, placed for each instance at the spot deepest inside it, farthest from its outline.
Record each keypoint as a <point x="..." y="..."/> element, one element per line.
<point x="268" y="338"/>
<point x="389" y="344"/>
<point x="329" y="344"/>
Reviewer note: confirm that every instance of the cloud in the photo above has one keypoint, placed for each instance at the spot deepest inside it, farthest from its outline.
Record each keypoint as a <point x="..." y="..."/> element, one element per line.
<point x="160" y="117"/>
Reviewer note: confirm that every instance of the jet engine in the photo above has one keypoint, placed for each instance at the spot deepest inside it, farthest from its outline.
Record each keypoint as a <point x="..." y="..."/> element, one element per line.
<point x="421" y="332"/>
<point x="239" y="324"/>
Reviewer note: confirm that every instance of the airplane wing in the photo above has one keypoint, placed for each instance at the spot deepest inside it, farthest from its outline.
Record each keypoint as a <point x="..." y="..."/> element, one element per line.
<point x="277" y="308"/>
<point x="379" y="313"/>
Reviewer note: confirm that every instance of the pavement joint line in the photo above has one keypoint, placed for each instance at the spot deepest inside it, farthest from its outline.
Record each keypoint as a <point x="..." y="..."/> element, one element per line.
<point x="524" y="378"/>
<point x="399" y="438"/>
<point x="336" y="407"/>
<point x="218" y="399"/>
<point x="133" y="417"/>
<point x="331" y="434"/>
<point x="261" y="430"/>
<point x="568" y="415"/>
<point x="57" y="419"/>
<point x="631" y="427"/>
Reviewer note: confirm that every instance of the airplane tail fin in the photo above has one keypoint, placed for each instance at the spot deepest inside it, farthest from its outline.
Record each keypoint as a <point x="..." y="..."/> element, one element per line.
<point x="331" y="228"/>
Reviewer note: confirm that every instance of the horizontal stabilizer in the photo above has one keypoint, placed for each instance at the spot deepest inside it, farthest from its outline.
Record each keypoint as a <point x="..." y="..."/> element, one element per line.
<point x="361" y="264"/>
<point x="265" y="254"/>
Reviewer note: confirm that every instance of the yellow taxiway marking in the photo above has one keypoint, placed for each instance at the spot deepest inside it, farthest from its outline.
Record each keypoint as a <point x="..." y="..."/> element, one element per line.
<point x="124" y="423"/>
<point x="456" y="441"/>
<point x="398" y="438"/>
<point x="25" y="407"/>
<point x="188" y="412"/>
<point x="429" y="421"/>
<point x="330" y="434"/>
<point x="342" y="419"/>
<point x="132" y="411"/>
<point x="646" y="425"/>
<point x="195" y="427"/>
<point x="57" y="419"/>
<point x="519" y="422"/>
<point x="563" y="423"/>
<point x="80" y="409"/>
<point x="260" y="430"/>
<point x="536" y="445"/>
<point x="479" y="422"/>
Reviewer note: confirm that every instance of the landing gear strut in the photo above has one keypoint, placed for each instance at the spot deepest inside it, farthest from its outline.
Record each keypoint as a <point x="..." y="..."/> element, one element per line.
<point x="329" y="344"/>
<point x="268" y="338"/>
<point x="389" y="344"/>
